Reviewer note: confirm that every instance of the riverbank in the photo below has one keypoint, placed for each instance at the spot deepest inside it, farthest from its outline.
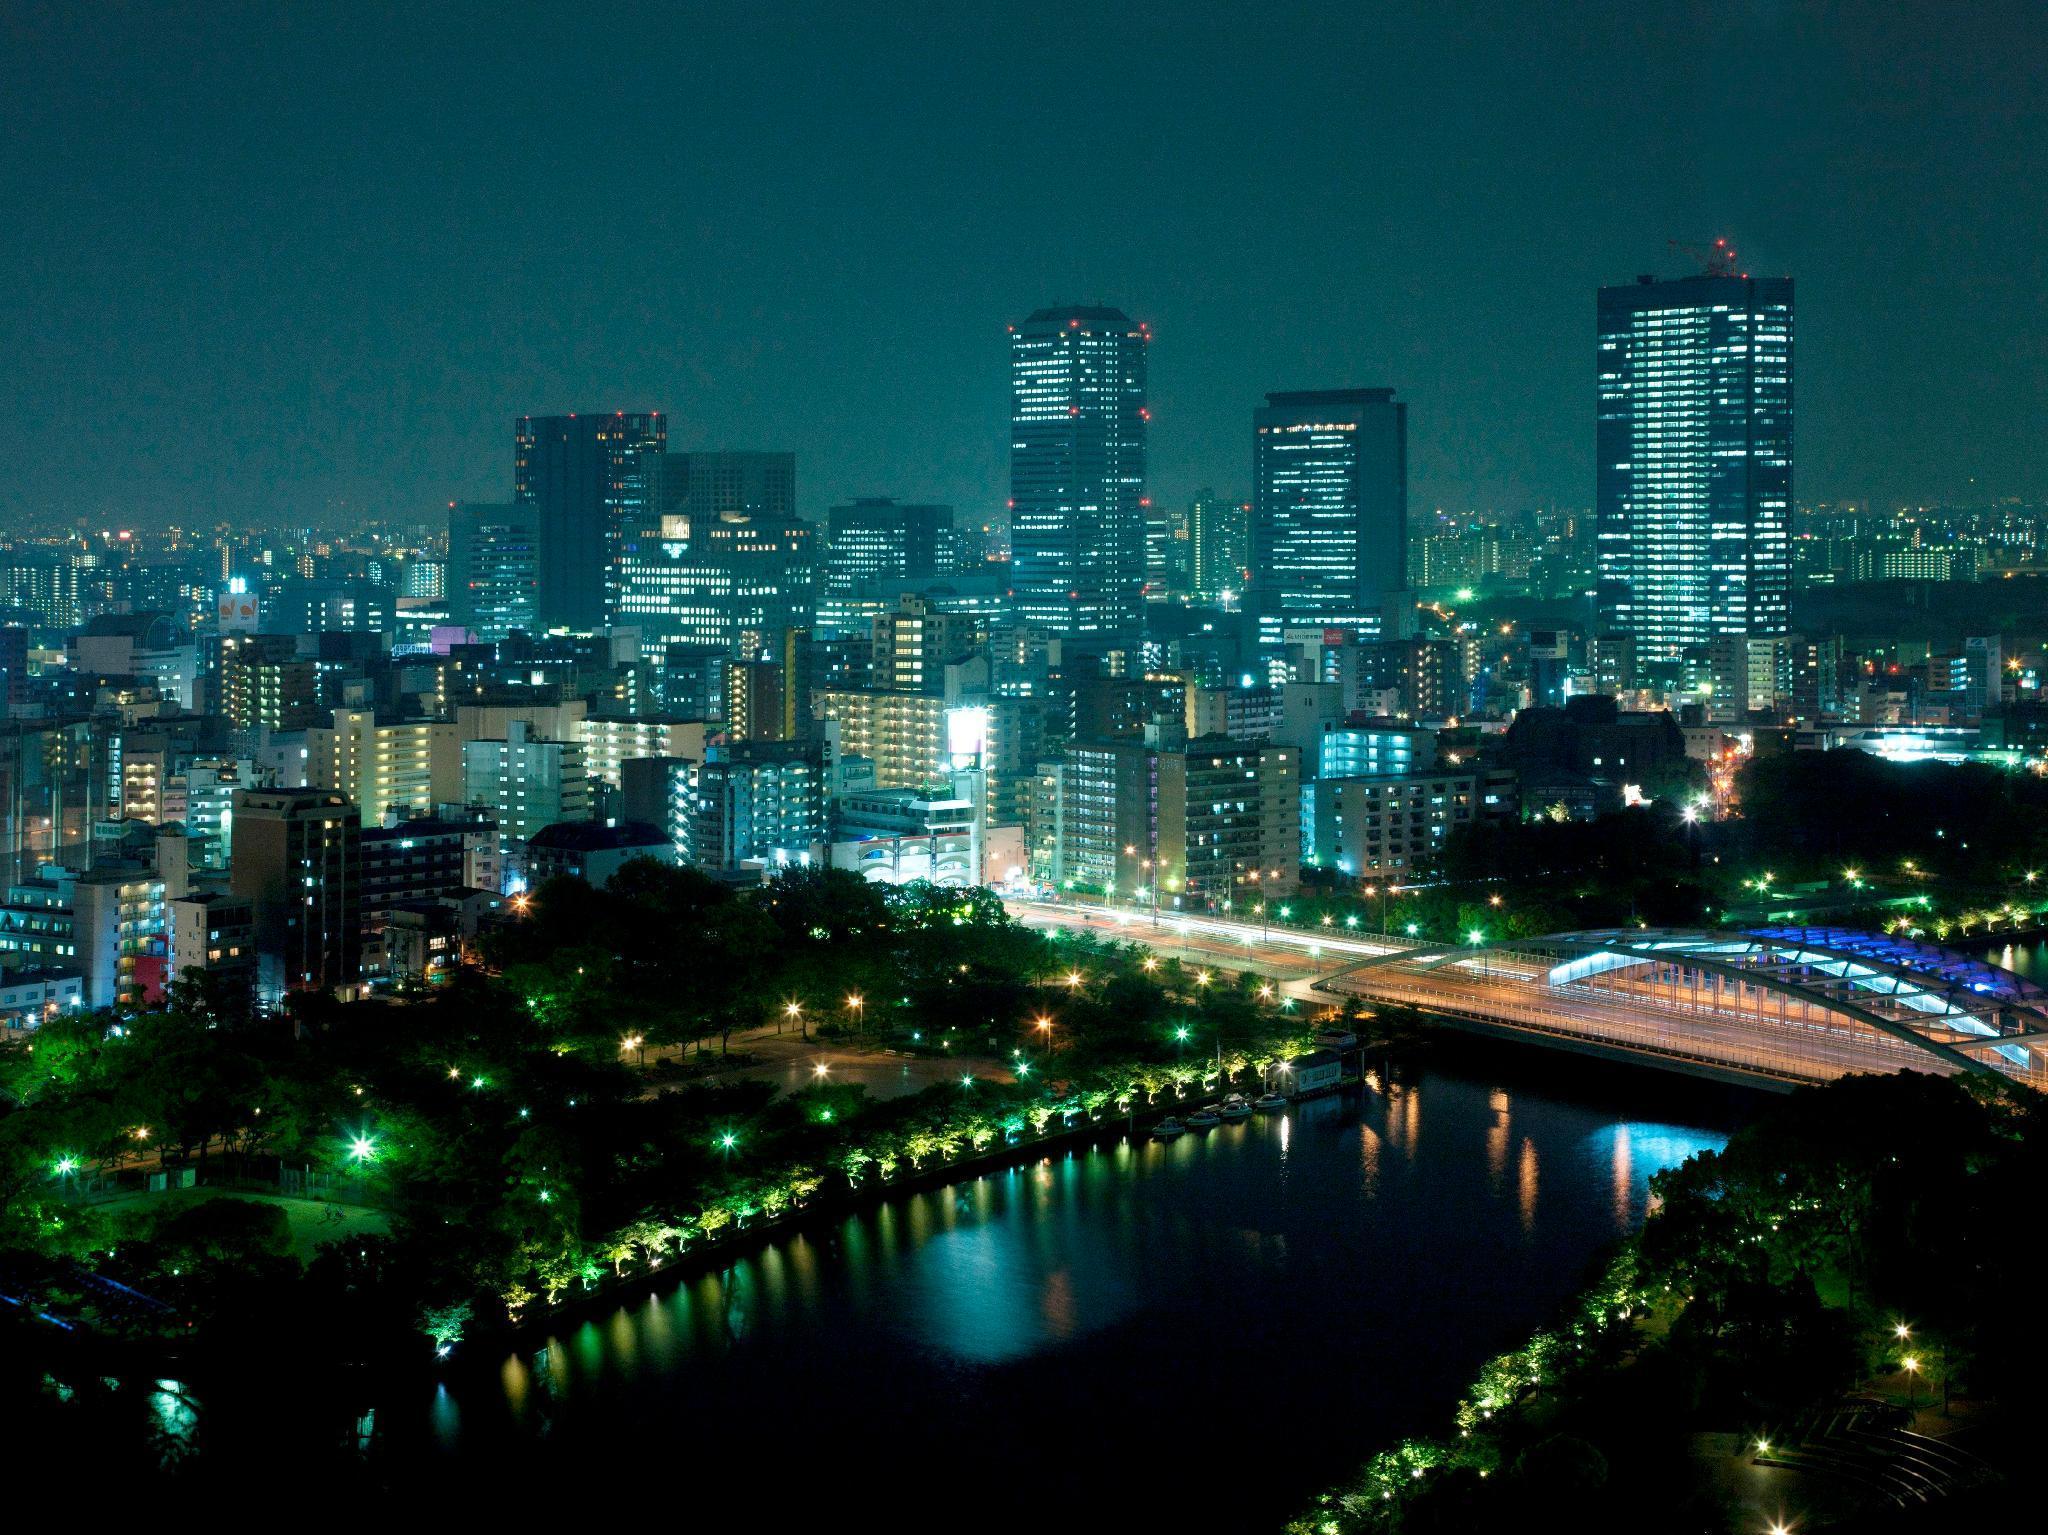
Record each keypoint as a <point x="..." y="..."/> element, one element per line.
<point x="834" y="1204"/>
<point x="1773" y="1323"/>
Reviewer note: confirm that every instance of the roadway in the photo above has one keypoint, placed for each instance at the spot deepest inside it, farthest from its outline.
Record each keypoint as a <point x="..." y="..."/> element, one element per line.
<point x="1293" y="958"/>
<point x="1512" y="993"/>
<point x="1503" y="992"/>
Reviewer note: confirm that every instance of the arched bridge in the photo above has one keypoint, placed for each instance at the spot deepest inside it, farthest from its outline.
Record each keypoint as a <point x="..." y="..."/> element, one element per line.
<point x="1770" y="1005"/>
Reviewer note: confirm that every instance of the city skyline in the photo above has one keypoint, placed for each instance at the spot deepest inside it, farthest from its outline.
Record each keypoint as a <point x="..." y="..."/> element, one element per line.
<point x="417" y="269"/>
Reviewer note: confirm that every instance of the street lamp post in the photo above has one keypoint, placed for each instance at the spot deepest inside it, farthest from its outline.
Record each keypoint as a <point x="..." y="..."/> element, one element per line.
<point x="1476" y="938"/>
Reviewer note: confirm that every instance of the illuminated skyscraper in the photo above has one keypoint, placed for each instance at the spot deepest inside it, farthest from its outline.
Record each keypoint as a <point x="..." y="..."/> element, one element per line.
<point x="586" y="477"/>
<point x="1078" y="502"/>
<point x="873" y="547"/>
<point x="1220" y="530"/>
<point x="492" y="574"/>
<point x="1694" y="442"/>
<point x="1329" y="535"/>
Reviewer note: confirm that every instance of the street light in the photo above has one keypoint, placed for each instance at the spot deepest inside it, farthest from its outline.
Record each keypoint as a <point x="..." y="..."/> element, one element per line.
<point x="1476" y="938"/>
<point x="1912" y="1368"/>
<point x="1044" y="1026"/>
<point x="854" y="1004"/>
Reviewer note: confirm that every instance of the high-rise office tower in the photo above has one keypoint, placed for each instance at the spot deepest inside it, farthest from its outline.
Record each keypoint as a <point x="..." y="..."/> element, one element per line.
<point x="720" y="556"/>
<point x="586" y="479"/>
<point x="875" y="541"/>
<point x="1694" y="442"/>
<point x="1078" y="502"/>
<point x="870" y="544"/>
<point x="1220" y="531"/>
<point x="726" y="483"/>
<point x="1329" y="533"/>
<point x="730" y="581"/>
<point x="493" y="568"/>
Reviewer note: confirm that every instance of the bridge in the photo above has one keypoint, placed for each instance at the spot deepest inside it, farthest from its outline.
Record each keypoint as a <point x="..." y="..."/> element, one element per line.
<point x="1766" y="1006"/>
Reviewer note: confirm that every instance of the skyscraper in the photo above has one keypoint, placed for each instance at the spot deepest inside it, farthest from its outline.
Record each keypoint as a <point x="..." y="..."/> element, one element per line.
<point x="724" y="483"/>
<point x="492" y="567"/>
<point x="586" y="478"/>
<point x="1329" y="531"/>
<point x="1078" y="502"/>
<point x="734" y="581"/>
<point x="871" y="545"/>
<point x="1694" y="443"/>
<point x="1219" y="528"/>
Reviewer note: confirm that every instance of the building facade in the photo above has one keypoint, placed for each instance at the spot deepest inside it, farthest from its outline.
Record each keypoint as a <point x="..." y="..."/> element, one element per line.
<point x="1078" y="502"/>
<point x="1693" y="486"/>
<point x="298" y="862"/>
<point x="1329" y="520"/>
<point x="493" y="575"/>
<point x="388" y="768"/>
<point x="586" y="479"/>
<point x="1220" y="531"/>
<point x="869" y="545"/>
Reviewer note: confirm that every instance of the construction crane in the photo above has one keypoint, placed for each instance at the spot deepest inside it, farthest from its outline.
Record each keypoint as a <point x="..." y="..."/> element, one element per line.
<point x="1717" y="260"/>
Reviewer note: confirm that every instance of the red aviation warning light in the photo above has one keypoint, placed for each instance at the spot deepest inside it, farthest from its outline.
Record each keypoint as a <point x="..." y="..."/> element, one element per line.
<point x="1716" y="260"/>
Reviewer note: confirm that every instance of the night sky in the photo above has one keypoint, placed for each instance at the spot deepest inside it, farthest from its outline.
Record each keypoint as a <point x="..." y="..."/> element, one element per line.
<point x="285" y="262"/>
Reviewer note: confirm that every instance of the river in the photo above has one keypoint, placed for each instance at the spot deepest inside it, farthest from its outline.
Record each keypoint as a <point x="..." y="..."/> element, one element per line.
<point x="2029" y="959"/>
<point x="1208" y="1329"/>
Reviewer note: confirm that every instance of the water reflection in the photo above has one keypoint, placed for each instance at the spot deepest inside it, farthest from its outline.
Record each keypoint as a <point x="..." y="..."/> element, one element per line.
<point x="1060" y="1301"/>
<point x="1525" y="1187"/>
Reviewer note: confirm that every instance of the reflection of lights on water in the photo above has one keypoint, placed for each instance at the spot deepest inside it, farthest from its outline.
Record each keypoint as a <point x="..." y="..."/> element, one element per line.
<point x="1634" y="1151"/>
<point x="447" y="1417"/>
<point x="177" y="1416"/>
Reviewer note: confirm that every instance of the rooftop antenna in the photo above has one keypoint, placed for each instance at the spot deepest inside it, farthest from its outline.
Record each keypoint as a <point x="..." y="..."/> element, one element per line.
<point x="1716" y="260"/>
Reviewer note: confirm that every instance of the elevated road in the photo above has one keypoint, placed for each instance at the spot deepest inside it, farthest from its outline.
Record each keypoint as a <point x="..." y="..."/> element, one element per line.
<point x="1768" y="1008"/>
<point x="1293" y="958"/>
<point x="1498" y="996"/>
